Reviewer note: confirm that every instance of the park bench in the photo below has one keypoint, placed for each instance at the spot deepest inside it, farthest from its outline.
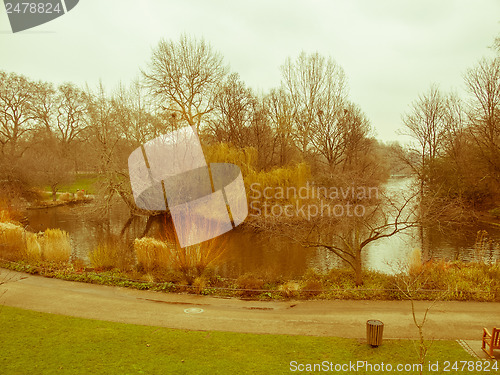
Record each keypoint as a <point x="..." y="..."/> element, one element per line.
<point x="492" y="340"/>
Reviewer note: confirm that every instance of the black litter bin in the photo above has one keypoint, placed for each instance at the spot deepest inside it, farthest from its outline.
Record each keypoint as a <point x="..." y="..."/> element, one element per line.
<point x="374" y="332"/>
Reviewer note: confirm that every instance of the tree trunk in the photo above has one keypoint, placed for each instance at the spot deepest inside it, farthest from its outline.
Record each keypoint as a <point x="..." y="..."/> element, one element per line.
<point x="357" y="271"/>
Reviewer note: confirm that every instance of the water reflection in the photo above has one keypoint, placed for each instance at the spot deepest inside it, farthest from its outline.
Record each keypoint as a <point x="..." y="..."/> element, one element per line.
<point x="261" y="253"/>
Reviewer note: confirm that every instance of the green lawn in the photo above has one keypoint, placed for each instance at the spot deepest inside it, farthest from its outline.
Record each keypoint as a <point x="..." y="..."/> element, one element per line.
<point x="83" y="181"/>
<point x="39" y="343"/>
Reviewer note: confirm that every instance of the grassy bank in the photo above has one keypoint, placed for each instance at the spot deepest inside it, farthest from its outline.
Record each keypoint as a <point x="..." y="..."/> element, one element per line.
<point x="84" y="181"/>
<point x="462" y="282"/>
<point x="162" y="265"/>
<point x="42" y="343"/>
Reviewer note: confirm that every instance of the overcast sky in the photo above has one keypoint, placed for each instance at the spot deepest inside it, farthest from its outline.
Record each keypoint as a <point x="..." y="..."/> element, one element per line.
<point x="391" y="50"/>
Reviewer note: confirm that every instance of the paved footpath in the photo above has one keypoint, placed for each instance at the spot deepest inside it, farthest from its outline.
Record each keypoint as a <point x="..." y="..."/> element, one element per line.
<point x="446" y="320"/>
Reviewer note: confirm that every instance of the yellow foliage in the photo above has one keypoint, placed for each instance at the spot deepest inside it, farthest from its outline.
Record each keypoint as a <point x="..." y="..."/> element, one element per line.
<point x="295" y="176"/>
<point x="16" y="244"/>
<point x="33" y="248"/>
<point x="199" y="284"/>
<point x="152" y="254"/>
<point x="245" y="158"/>
<point x="105" y="256"/>
<point x="56" y="246"/>
<point x="278" y="180"/>
<point x="12" y="243"/>
<point x="415" y="262"/>
<point x="4" y="216"/>
<point x="193" y="260"/>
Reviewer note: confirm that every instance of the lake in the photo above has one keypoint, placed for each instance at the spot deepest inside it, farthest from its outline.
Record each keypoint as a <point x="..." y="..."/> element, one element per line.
<point x="259" y="253"/>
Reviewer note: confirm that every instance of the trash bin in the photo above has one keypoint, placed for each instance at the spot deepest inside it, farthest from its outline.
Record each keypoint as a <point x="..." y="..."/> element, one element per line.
<point x="374" y="332"/>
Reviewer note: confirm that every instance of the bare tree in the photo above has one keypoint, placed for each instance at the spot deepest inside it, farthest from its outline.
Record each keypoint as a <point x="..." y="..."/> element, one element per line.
<point x="483" y="83"/>
<point x="16" y="111"/>
<point x="346" y="234"/>
<point x="42" y="105"/>
<point x="60" y="115"/>
<point x="425" y="123"/>
<point x="106" y="131"/>
<point x="71" y="110"/>
<point x="454" y="132"/>
<point x="261" y="136"/>
<point x="351" y="235"/>
<point x="317" y="91"/>
<point x="496" y="44"/>
<point x="280" y="114"/>
<point x="409" y="281"/>
<point x="135" y="115"/>
<point x="233" y="112"/>
<point x="184" y="76"/>
<point x="102" y="131"/>
<point x="340" y="140"/>
<point x="47" y="161"/>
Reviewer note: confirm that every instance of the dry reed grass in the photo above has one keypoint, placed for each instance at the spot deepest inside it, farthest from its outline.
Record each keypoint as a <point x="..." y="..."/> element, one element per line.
<point x="105" y="256"/>
<point x="12" y="242"/>
<point x="56" y="246"/>
<point x="193" y="260"/>
<point x="33" y="247"/>
<point x="5" y="216"/>
<point x="152" y="254"/>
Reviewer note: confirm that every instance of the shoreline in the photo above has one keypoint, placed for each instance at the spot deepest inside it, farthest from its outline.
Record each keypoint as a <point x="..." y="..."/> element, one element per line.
<point x="377" y="286"/>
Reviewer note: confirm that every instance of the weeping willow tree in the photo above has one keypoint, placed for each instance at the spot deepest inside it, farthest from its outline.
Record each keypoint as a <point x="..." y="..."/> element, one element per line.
<point x="246" y="158"/>
<point x="277" y="179"/>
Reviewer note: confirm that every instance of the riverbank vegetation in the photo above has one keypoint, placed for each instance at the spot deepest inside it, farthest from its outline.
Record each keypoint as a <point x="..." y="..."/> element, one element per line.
<point x="307" y="153"/>
<point x="16" y="243"/>
<point x="455" y="149"/>
<point x="51" y="136"/>
<point x="460" y="280"/>
<point x="162" y="266"/>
